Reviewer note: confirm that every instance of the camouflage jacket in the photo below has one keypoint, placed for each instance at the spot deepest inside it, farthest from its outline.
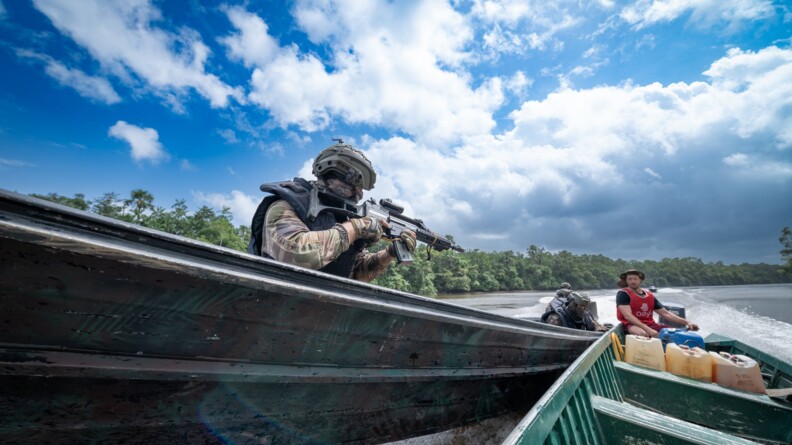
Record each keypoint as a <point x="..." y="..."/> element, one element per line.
<point x="287" y="239"/>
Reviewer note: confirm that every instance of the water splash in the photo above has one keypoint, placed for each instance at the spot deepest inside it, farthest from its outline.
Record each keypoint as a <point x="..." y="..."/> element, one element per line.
<point x="764" y="333"/>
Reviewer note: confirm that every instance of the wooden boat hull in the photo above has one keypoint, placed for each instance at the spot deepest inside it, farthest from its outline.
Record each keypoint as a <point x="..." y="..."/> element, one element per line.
<point x="599" y="400"/>
<point x="110" y="330"/>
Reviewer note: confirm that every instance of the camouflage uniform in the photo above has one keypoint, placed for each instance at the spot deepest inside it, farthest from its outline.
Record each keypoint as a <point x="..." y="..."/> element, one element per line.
<point x="287" y="239"/>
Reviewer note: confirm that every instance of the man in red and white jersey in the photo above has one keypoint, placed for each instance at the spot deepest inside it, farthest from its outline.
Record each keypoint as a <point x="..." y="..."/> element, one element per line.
<point x="635" y="307"/>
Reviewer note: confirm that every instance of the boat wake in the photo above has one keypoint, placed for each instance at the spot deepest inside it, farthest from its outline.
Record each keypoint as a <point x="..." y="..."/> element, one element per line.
<point x="762" y="332"/>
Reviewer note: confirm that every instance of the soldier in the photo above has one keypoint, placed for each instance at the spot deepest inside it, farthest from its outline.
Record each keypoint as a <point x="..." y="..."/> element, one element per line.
<point x="574" y="314"/>
<point x="565" y="290"/>
<point x="330" y="243"/>
<point x="561" y="298"/>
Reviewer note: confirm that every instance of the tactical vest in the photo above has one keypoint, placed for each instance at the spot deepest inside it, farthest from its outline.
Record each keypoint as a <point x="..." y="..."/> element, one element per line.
<point x="568" y="320"/>
<point x="298" y="194"/>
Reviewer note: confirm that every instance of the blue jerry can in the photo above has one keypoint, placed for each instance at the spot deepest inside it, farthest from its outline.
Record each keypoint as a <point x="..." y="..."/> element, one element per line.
<point x="680" y="337"/>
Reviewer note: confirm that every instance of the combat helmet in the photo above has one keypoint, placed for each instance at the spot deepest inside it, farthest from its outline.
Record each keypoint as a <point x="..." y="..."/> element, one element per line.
<point x="580" y="298"/>
<point x="349" y="163"/>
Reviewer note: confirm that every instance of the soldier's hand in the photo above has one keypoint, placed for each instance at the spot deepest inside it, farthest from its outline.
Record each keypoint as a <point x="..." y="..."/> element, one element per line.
<point x="408" y="237"/>
<point x="367" y="228"/>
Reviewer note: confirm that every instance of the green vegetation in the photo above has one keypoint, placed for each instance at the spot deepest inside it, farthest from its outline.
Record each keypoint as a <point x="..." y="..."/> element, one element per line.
<point x="204" y="225"/>
<point x="451" y="272"/>
<point x="539" y="269"/>
<point x="786" y="252"/>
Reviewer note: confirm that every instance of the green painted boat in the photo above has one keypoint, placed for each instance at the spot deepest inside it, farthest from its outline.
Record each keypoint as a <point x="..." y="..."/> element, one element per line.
<point x="602" y="400"/>
<point x="114" y="333"/>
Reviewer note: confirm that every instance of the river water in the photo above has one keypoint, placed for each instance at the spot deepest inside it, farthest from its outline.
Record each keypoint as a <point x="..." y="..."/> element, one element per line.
<point x="758" y="315"/>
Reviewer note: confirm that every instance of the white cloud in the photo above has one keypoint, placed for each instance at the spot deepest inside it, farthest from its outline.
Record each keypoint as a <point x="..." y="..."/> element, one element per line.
<point x="566" y="172"/>
<point x="228" y="135"/>
<point x="14" y="163"/>
<point x="242" y="206"/>
<point x="736" y="160"/>
<point x="144" y="142"/>
<point x="91" y="87"/>
<point x="389" y="67"/>
<point x="187" y="166"/>
<point x="519" y="84"/>
<point x="299" y="140"/>
<point x="518" y="25"/>
<point x="755" y="86"/>
<point x="645" y="13"/>
<point x="652" y="173"/>
<point x="759" y="168"/>
<point x="252" y="45"/>
<point x="122" y="38"/>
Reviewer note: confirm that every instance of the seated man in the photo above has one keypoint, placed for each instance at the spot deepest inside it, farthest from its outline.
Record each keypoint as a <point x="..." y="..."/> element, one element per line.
<point x="332" y="243"/>
<point x="574" y="314"/>
<point x="635" y="307"/>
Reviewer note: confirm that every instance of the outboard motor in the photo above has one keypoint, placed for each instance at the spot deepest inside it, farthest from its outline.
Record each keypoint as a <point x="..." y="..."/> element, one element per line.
<point x="592" y="307"/>
<point x="676" y="309"/>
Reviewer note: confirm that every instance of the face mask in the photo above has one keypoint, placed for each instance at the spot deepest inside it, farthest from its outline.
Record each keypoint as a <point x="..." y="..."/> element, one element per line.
<point x="344" y="190"/>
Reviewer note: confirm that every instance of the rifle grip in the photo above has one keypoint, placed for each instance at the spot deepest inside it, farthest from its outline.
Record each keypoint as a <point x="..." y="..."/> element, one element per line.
<point x="403" y="256"/>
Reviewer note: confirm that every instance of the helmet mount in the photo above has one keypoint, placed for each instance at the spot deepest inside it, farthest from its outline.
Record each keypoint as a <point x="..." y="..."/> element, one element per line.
<point x="347" y="163"/>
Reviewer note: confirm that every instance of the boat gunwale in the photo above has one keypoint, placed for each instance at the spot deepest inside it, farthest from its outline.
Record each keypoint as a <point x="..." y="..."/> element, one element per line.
<point x="718" y="340"/>
<point x="21" y="360"/>
<point x="541" y="418"/>
<point x="346" y="291"/>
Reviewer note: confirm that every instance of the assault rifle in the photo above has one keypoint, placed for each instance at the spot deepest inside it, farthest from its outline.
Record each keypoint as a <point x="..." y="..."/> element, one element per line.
<point x="323" y="199"/>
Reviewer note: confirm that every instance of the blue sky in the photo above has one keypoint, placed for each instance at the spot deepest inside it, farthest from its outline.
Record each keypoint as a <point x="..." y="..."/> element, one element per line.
<point x="639" y="130"/>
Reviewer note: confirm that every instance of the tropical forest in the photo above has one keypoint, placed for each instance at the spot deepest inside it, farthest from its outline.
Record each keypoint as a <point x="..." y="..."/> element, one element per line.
<point x="433" y="273"/>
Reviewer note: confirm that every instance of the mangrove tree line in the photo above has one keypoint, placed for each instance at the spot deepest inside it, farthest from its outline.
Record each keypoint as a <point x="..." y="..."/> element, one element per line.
<point x="534" y="268"/>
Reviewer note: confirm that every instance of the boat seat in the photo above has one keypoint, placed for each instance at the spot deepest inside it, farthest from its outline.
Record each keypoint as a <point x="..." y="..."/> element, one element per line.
<point x="749" y="415"/>
<point x="621" y="422"/>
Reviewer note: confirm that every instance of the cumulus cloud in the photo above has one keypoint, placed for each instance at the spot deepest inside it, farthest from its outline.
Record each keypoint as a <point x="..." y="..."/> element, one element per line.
<point x="388" y="67"/>
<point x="242" y="205"/>
<point x="518" y="25"/>
<point x="759" y="167"/>
<point x="702" y="12"/>
<point x="617" y="168"/>
<point x="122" y="37"/>
<point x="94" y="88"/>
<point x="144" y="142"/>
<point x="519" y="84"/>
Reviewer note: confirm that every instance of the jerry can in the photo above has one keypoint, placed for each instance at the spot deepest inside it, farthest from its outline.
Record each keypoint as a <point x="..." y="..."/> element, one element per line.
<point x="737" y="371"/>
<point x="680" y="337"/>
<point x="645" y="351"/>
<point x="694" y="363"/>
